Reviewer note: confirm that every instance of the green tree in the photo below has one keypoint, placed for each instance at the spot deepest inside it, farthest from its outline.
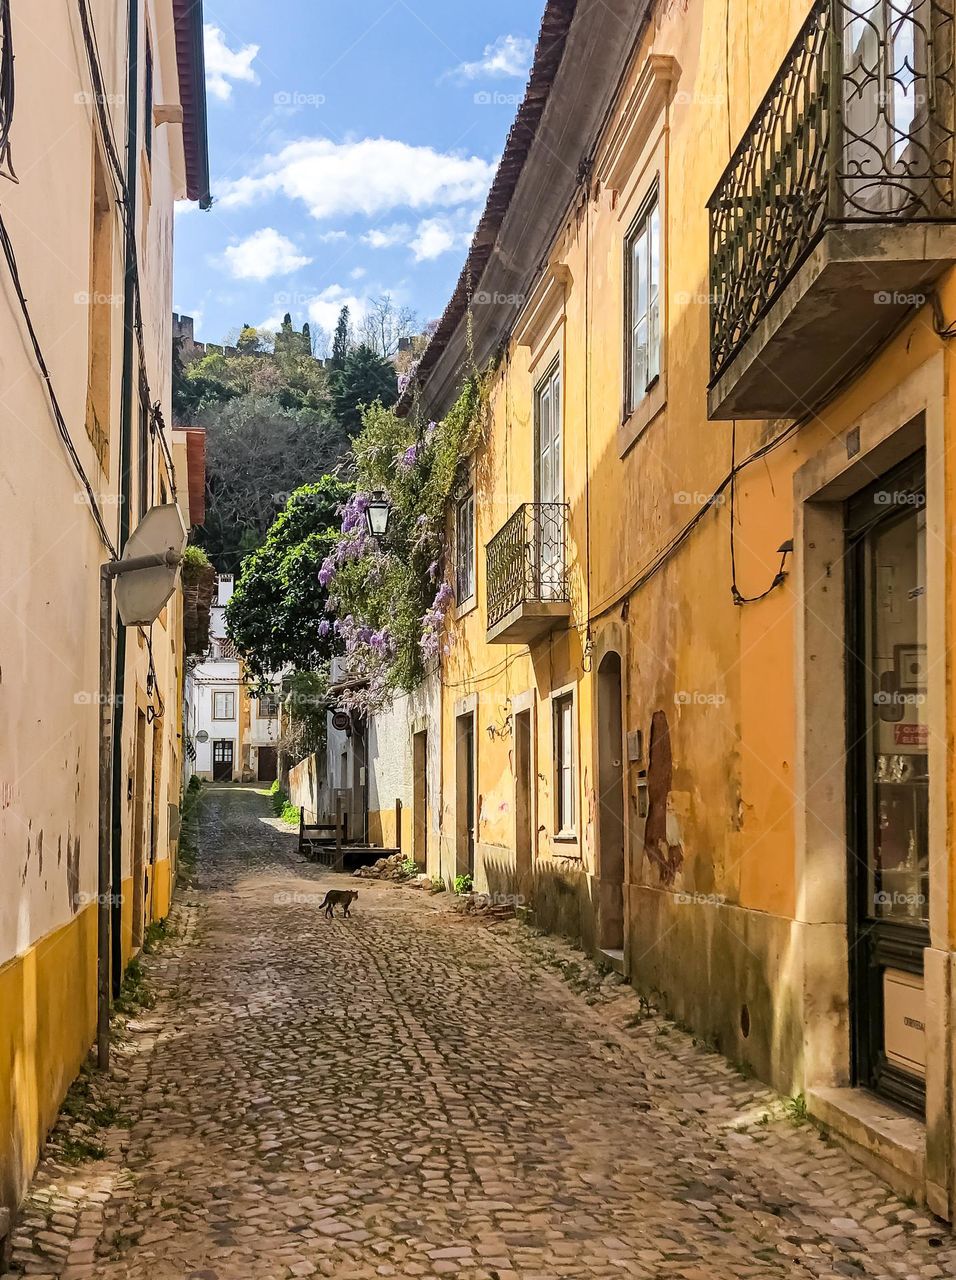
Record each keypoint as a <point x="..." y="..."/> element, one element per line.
<point x="363" y="380"/>
<point x="342" y="340"/>
<point x="277" y="614"/>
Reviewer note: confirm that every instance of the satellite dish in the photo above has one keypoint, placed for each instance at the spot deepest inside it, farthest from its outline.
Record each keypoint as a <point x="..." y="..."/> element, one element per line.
<point x="142" y="593"/>
<point x="202" y="736"/>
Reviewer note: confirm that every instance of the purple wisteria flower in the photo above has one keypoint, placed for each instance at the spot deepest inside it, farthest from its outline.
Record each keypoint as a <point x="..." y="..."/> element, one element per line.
<point x="324" y="628"/>
<point x="408" y="458"/>
<point x="353" y="512"/>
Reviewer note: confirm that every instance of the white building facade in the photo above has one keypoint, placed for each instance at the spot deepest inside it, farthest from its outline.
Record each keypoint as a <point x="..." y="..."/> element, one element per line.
<point x="233" y="726"/>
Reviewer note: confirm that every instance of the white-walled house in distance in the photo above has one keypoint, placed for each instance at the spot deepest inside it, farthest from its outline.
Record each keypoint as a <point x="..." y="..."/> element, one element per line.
<point x="233" y="728"/>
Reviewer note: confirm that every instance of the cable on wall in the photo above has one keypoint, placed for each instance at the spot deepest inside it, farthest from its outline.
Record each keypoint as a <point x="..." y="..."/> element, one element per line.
<point x="7" y="91"/>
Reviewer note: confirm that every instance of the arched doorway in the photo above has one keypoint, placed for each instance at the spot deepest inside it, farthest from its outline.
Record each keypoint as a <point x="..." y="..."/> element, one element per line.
<point x="610" y="806"/>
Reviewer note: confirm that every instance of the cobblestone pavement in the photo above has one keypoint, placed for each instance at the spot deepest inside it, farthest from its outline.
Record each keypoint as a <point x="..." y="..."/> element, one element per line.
<point x="407" y="1093"/>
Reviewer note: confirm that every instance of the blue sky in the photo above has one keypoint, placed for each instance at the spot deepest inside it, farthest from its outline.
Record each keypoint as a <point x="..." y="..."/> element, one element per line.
<point x="351" y="149"/>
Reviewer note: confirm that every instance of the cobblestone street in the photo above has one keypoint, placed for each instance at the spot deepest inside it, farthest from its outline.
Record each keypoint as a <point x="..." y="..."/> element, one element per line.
<point x="408" y="1093"/>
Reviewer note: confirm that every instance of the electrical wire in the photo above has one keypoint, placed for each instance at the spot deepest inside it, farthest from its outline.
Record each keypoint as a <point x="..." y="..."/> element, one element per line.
<point x="780" y="576"/>
<point x="7" y="91"/>
<point x="152" y="680"/>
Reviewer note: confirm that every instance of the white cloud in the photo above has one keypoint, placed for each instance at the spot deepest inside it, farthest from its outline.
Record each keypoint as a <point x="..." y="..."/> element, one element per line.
<point x="366" y="177"/>
<point x="324" y="308"/>
<point x="357" y="273"/>
<point x="223" y="65"/>
<point x="388" y="237"/>
<point x="507" y="58"/>
<point x="262" y="255"/>
<point x="435" y="236"/>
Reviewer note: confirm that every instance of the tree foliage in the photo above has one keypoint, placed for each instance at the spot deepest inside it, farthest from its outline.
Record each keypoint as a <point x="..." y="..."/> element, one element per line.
<point x="277" y="613"/>
<point x="364" y="378"/>
<point x="258" y="451"/>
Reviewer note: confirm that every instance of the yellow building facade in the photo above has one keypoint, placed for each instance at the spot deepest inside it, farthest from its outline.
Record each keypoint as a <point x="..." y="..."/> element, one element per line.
<point x="698" y="705"/>
<point x="85" y="385"/>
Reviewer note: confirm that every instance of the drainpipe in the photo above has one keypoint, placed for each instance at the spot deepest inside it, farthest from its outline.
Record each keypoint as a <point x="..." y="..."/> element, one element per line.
<point x="128" y="395"/>
<point x="108" y="742"/>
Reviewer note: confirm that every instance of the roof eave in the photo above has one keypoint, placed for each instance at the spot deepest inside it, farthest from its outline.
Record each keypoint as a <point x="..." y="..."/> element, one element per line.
<point x="191" y="60"/>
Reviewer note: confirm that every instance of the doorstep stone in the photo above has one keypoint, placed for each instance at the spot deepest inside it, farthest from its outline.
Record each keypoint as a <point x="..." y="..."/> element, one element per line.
<point x="888" y="1140"/>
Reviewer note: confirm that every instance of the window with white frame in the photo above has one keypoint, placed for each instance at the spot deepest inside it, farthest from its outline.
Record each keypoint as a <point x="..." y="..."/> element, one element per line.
<point x="223" y="704"/>
<point x="465" y="548"/>
<point x="643" y="275"/>
<point x="564" y="783"/>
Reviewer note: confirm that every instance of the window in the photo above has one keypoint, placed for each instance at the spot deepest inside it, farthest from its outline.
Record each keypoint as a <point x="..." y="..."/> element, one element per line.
<point x="268" y="706"/>
<point x="223" y="704"/>
<point x="549" y="469"/>
<point x="643" y="276"/>
<point x="564" y="764"/>
<point x="465" y="548"/>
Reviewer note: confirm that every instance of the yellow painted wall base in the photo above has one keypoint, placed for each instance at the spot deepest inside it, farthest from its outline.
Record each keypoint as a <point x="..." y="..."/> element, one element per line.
<point x="47" y="1024"/>
<point x="162" y="889"/>
<point x="126" y="917"/>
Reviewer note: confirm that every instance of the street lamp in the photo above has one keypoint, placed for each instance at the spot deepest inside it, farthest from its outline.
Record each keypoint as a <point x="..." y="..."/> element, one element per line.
<point x="377" y="513"/>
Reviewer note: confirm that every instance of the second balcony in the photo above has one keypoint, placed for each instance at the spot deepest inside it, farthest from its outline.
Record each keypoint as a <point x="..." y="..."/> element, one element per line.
<point x="527" y="574"/>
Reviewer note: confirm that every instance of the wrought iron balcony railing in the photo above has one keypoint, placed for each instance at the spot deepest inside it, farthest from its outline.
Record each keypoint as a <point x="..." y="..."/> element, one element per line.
<point x="857" y="127"/>
<point x="527" y="560"/>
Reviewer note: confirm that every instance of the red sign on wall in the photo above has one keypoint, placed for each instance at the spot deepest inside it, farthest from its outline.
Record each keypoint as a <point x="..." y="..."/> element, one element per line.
<point x="911" y="735"/>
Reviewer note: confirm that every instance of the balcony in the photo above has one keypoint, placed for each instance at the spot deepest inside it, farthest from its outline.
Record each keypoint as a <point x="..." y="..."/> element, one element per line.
<point x="837" y="211"/>
<point x="527" y="574"/>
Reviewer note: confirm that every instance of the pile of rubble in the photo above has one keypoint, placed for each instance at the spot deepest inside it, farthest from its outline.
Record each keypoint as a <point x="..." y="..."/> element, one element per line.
<point x="486" y="908"/>
<point x="395" y="868"/>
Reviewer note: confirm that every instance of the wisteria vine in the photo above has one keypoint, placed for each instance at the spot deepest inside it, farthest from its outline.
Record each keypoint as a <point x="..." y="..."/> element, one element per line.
<point x="390" y="599"/>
